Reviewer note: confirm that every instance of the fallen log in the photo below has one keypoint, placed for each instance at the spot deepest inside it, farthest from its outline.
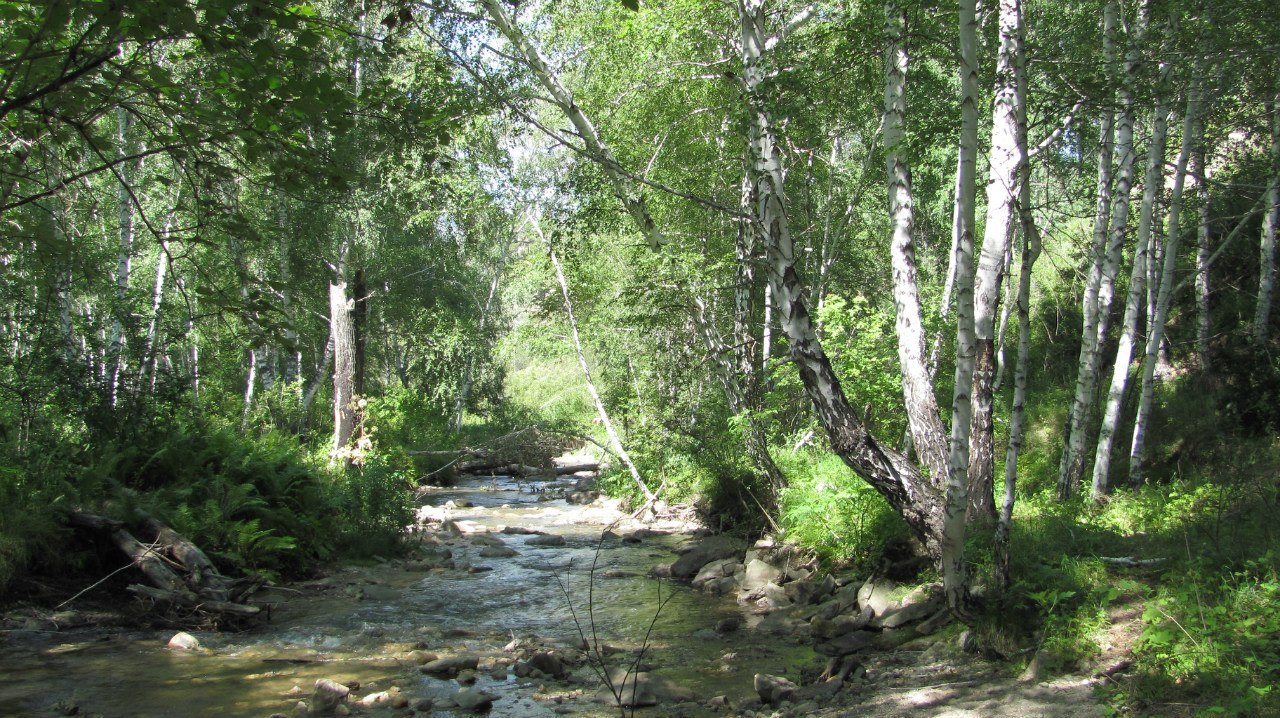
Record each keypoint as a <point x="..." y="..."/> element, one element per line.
<point x="575" y="468"/>
<point x="180" y="573"/>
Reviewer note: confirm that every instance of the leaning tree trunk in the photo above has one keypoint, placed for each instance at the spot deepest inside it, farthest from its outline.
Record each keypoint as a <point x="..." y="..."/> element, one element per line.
<point x="614" y="440"/>
<point x="1270" y="225"/>
<point x="903" y="486"/>
<point x="1007" y="156"/>
<point x="1134" y="304"/>
<point x="928" y="435"/>
<point x="1192" y="125"/>
<point x="1071" y="468"/>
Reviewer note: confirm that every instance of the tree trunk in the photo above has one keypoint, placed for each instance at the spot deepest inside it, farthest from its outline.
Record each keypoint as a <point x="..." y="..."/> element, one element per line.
<point x="1030" y="252"/>
<point x="605" y="421"/>
<point x="1270" y="225"/>
<point x="928" y="435"/>
<point x="1007" y="156"/>
<point x="1192" y="126"/>
<point x="342" y="331"/>
<point x="627" y="190"/>
<point x="955" y="579"/>
<point x="1071" y="468"/>
<point x="124" y="209"/>
<point x="1204" y="249"/>
<point x="1153" y="183"/>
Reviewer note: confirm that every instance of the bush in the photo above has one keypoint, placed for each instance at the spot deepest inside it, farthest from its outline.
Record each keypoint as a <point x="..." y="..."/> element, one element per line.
<point x="828" y="509"/>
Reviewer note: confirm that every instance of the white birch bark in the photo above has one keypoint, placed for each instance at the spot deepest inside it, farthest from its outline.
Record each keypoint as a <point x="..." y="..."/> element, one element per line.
<point x="1007" y="155"/>
<point x="911" y="494"/>
<point x="1031" y="246"/>
<point x="1191" y="127"/>
<point x="1152" y="186"/>
<point x="1070" y="468"/>
<point x="1270" y="225"/>
<point x="614" y="440"/>
<point x="627" y="190"/>
<point x="927" y="432"/>
<point x="1204" y="250"/>
<point x="124" y="199"/>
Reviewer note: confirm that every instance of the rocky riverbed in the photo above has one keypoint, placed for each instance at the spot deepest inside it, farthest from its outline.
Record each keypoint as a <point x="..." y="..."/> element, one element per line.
<point x="540" y="599"/>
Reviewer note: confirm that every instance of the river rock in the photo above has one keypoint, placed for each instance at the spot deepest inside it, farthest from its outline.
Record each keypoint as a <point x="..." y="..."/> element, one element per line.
<point x="472" y="700"/>
<point x="581" y="498"/>
<point x="915" y="607"/>
<point x="328" y="696"/>
<point x="876" y="594"/>
<point x="642" y="689"/>
<point x="806" y="592"/>
<point x="824" y="628"/>
<point x="728" y="625"/>
<point x="721" y="586"/>
<point x="451" y="666"/>
<point x="719" y="568"/>
<point x="704" y="552"/>
<point x="773" y="689"/>
<point x="521" y="531"/>
<point x="542" y="663"/>
<point x="420" y="657"/>
<point x="546" y="540"/>
<point x="498" y="552"/>
<point x="846" y="644"/>
<point x="183" y="641"/>
<point x="758" y="573"/>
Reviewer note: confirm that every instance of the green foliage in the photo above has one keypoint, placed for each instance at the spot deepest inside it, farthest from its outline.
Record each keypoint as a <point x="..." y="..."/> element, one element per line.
<point x="377" y="507"/>
<point x="833" y="512"/>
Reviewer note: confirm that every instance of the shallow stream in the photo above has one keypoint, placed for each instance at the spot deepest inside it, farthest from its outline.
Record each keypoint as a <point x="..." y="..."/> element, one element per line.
<point x="360" y="624"/>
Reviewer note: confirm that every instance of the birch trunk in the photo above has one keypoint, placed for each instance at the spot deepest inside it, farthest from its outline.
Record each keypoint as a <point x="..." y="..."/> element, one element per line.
<point x="902" y="485"/>
<point x="1134" y="302"/>
<point x="614" y="440"/>
<point x="1071" y="468"/>
<point x="928" y="435"/>
<point x="1204" y="249"/>
<point x="124" y="209"/>
<point x="955" y="580"/>
<point x="626" y="189"/>
<point x="1270" y="225"/>
<point x="1191" y="127"/>
<point x="1007" y="156"/>
<point x="1031" y="245"/>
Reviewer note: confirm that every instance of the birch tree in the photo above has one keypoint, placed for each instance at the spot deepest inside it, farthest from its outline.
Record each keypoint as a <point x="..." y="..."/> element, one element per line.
<point x="1270" y="223"/>
<point x="1192" y="126"/>
<point x="1007" y="157"/>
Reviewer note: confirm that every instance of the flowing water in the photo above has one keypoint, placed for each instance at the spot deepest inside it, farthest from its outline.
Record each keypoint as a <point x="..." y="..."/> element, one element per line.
<point x="360" y="624"/>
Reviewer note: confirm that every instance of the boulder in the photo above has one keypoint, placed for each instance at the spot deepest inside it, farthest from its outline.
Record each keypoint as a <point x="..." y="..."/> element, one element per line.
<point x="806" y="592"/>
<point x="546" y="540"/>
<point x="581" y="498"/>
<point x="498" y="552"/>
<point x="773" y="690"/>
<point x="472" y="700"/>
<point x="720" y="586"/>
<point x="758" y="573"/>
<point x="451" y="666"/>
<point x="183" y="641"/>
<point x="773" y="597"/>
<point x="327" y="696"/>
<point x="845" y="644"/>
<point x="900" y="615"/>
<point x="838" y="626"/>
<point x="642" y="689"/>
<point x="728" y="625"/>
<point x="520" y="530"/>
<point x="876" y="594"/>
<point x="719" y="568"/>
<point x="704" y="552"/>
<point x="545" y="662"/>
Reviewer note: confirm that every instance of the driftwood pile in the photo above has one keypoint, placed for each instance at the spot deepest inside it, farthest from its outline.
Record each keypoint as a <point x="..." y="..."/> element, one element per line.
<point x="180" y="575"/>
